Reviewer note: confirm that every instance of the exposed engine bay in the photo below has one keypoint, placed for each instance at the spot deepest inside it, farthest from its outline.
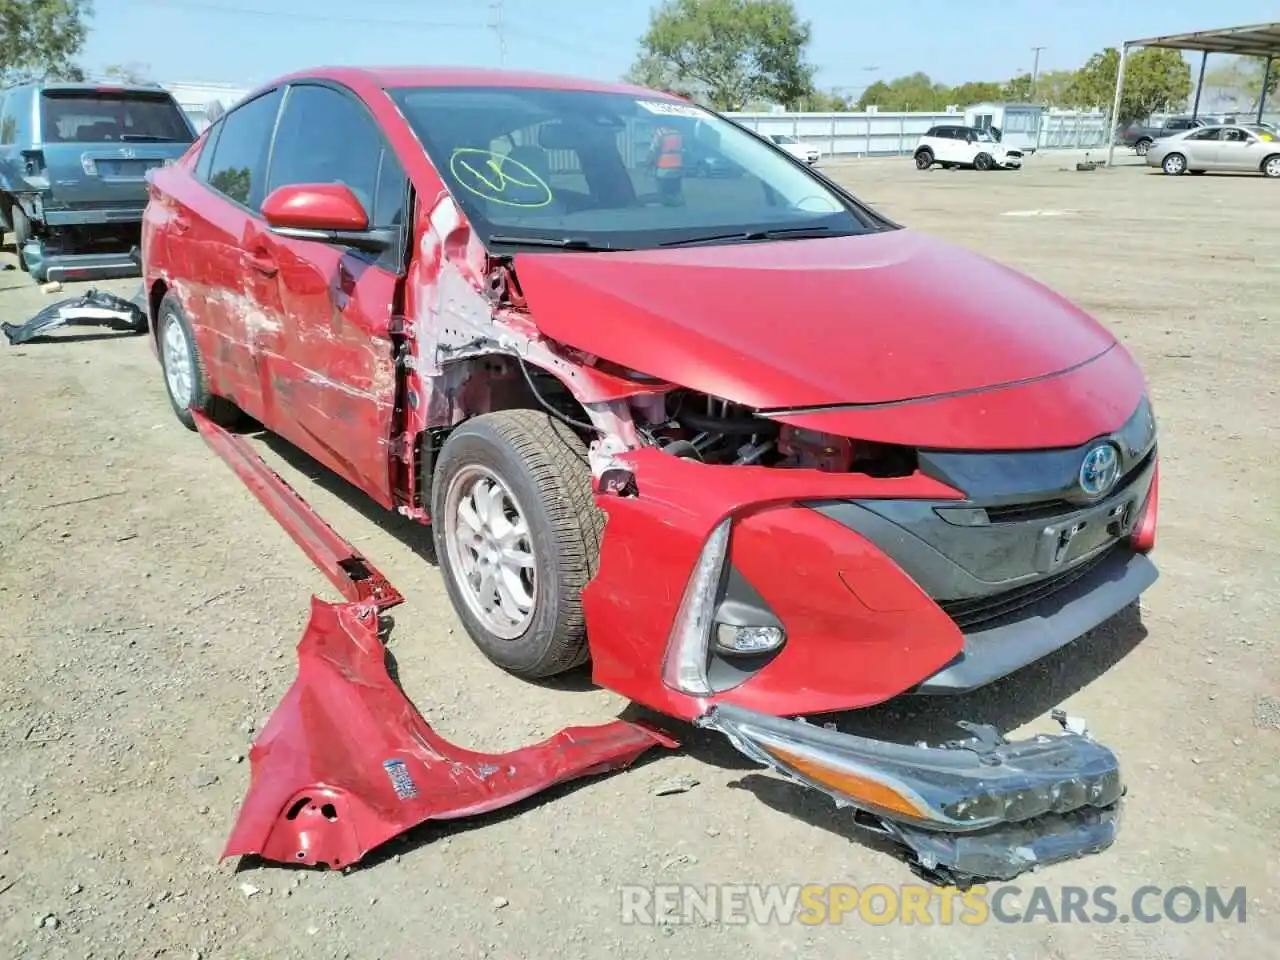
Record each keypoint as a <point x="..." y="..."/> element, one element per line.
<point x="685" y="423"/>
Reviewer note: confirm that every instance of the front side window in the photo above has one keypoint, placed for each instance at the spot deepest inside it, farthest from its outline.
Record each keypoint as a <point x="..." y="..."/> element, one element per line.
<point x="588" y="168"/>
<point x="101" y="116"/>
<point x="239" y="165"/>
<point x="327" y="137"/>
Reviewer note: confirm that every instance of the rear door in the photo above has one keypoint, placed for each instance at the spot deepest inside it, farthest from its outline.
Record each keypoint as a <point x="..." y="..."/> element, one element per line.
<point x="99" y="143"/>
<point x="234" y="306"/>
<point x="334" y="377"/>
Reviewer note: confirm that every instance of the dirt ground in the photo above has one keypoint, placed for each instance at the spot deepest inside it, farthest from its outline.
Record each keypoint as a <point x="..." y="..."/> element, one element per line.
<point x="150" y="610"/>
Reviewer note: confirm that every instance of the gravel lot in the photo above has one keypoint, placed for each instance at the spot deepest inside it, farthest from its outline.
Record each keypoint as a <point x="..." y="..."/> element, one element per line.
<point x="150" y="609"/>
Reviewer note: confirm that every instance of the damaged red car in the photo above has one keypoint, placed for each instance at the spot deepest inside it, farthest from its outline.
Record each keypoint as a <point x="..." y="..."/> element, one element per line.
<point x="745" y="444"/>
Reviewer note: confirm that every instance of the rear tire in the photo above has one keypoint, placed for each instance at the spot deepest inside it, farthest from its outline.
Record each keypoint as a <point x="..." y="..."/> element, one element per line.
<point x="531" y="470"/>
<point x="1141" y="147"/>
<point x="186" y="378"/>
<point x="924" y="159"/>
<point x="21" y="233"/>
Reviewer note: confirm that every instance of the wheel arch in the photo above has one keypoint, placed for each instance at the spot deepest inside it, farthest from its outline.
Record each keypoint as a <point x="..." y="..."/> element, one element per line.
<point x="155" y="296"/>
<point x="492" y="382"/>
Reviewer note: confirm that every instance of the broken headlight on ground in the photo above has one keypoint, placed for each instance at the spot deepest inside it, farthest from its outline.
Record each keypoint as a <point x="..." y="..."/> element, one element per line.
<point x="981" y="808"/>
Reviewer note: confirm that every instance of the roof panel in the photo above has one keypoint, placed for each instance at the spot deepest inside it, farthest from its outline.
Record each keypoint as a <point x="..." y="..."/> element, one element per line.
<point x="1259" y="40"/>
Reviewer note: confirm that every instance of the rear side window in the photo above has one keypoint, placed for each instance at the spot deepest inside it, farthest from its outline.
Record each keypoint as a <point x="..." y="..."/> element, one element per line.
<point x="112" y="117"/>
<point x="206" y="152"/>
<point x="239" y="165"/>
<point x="327" y="137"/>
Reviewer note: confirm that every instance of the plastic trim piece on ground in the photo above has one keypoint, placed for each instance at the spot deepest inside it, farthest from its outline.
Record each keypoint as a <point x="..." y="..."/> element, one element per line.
<point x="97" y="308"/>
<point x="346" y="762"/>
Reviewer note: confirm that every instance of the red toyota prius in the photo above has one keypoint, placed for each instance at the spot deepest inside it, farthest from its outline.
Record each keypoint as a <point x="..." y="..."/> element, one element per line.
<point x="745" y="444"/>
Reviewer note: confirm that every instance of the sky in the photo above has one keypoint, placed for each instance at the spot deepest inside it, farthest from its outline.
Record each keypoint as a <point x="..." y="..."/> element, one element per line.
<point x="246" y="42"/>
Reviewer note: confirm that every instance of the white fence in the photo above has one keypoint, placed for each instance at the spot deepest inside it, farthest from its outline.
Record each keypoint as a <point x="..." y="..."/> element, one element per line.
<point x="895" y="134"/>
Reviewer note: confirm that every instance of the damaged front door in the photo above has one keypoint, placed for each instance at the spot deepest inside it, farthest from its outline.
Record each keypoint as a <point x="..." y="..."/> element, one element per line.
<point x="336" y="394"/>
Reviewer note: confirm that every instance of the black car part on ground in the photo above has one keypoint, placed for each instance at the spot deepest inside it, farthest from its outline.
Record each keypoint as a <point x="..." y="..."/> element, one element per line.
<point x="95" y="308"/>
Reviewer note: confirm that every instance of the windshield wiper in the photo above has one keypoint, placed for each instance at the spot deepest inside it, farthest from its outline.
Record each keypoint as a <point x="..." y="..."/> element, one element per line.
<point x="150" y="138"/>
<point x="563" y="243"/>
<point x="781" y="233"/>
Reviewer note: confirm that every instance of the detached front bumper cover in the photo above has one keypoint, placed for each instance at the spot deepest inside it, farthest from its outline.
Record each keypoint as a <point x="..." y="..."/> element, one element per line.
<point x="974" y="809"/>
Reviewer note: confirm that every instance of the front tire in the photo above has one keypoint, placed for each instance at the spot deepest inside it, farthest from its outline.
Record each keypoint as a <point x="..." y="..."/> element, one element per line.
<point x="517" y="535"/>
<point x="1271" y="167"/>
<point x="1175" y="164"/>
<point x="186" y="378"/>
<point x="982" y="162"/>
<point x="924" y="159"/>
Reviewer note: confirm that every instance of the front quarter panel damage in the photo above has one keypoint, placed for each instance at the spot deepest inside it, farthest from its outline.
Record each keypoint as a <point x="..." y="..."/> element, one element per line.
<point x="346" y="762"/>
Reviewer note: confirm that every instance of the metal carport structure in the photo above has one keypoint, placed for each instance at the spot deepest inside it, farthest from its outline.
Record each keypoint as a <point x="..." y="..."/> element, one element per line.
<point x="1260" y="40"/>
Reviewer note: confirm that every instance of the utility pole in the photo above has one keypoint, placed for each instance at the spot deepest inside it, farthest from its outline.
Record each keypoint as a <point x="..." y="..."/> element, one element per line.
<point x="499" y="26"/>
<point x="1035" y="70"/>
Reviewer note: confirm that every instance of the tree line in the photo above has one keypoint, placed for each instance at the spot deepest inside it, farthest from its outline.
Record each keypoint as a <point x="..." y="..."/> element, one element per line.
<point x="750" y="54"/>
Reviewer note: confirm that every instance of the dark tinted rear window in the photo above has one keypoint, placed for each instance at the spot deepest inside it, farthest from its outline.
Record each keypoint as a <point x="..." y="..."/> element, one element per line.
<point x="112" y="117"/>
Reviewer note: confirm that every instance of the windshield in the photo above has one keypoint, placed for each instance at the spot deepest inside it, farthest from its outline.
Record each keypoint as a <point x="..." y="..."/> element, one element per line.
<point x="100" y="117"/>
<point x="984" y="136"/>
<point x="596" y="169"/>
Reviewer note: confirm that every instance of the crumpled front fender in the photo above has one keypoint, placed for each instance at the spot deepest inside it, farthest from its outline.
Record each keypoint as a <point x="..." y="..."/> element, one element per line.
<point x="346" y="762"/>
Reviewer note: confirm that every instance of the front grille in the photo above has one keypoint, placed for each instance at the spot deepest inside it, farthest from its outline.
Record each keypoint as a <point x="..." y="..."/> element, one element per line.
<point x="980" y="611"/>
<point x="1018" y="512"/>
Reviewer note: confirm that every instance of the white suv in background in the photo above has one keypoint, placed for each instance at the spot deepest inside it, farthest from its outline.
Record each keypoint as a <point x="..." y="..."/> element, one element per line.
<point x="957" y="146"/>
<point x="801" y="151"/>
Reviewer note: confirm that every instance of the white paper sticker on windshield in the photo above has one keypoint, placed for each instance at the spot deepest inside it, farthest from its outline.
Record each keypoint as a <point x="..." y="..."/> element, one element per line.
<point x="665" y="108"/>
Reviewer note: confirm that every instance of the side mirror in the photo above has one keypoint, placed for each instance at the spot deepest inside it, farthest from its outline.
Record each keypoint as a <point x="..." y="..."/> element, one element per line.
<point x="328" y="207"/>
<point x="325" y="213"/>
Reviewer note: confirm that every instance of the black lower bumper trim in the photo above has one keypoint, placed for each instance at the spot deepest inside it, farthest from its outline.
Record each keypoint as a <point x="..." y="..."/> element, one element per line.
<point x="1009" y="850"/>
<point x="996" y="651"/>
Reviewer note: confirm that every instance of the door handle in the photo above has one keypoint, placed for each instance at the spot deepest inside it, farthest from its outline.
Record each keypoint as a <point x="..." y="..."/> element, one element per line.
<point x="263" y="264"/>
<point x="181" y="224"/>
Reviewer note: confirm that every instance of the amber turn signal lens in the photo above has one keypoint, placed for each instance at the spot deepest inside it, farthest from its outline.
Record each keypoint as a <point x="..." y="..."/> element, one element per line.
<point x="863" y="791"/>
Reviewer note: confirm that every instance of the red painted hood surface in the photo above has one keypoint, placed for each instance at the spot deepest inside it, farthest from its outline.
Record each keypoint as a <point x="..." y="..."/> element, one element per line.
<point x="869" y="319"/>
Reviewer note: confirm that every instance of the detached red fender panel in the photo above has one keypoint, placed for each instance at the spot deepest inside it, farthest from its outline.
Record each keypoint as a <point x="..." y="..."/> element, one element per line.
<point x="346" y="762"/>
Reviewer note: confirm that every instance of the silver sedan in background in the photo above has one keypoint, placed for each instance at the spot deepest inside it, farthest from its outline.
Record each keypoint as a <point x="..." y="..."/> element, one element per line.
<point x="1239" y="148"/>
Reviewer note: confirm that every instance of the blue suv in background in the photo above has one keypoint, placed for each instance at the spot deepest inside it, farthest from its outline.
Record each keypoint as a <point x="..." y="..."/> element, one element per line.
<point x="73" y="164"/>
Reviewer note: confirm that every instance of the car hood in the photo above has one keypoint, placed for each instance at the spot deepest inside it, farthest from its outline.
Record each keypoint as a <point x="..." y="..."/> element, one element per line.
<point x="870" y="319"/>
